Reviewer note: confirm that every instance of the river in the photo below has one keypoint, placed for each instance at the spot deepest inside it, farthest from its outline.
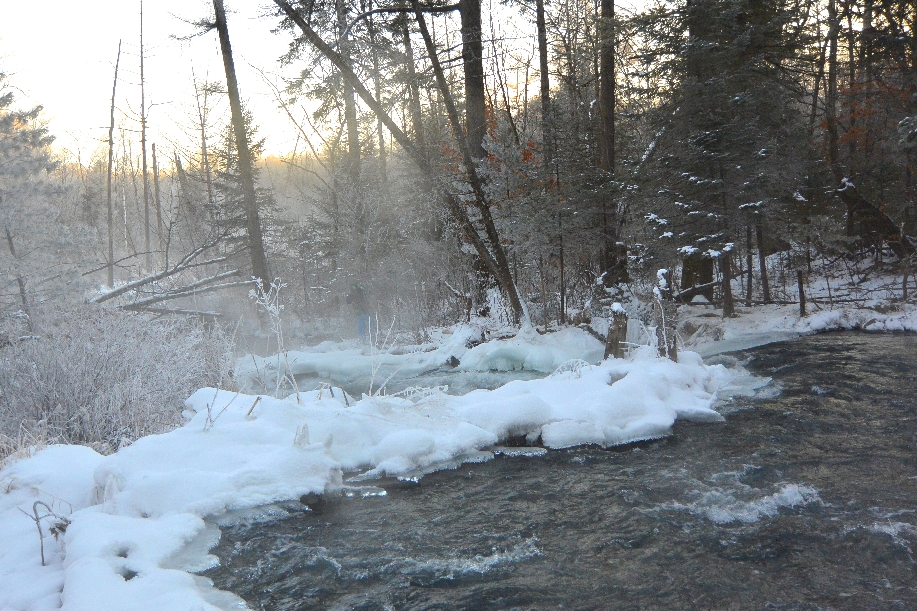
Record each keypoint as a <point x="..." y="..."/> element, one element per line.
<point x="805" y="498"/>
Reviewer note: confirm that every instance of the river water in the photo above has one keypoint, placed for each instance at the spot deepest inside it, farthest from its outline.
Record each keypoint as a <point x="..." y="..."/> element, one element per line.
<point x="803" y="499"/>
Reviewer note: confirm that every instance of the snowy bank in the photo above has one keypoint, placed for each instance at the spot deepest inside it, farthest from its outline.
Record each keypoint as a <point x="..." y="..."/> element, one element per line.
<point x="705" y="331"/>
<point x="137" y="518"/>
<point x="349" y="364"/>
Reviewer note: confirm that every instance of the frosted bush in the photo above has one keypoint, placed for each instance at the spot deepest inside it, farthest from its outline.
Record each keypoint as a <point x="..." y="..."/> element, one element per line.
<point x="104" y="377"/>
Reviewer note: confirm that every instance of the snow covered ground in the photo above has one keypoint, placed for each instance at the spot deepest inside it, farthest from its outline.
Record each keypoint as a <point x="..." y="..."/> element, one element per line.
<point x="140" y="522"/>
<point x="705" y="331"/>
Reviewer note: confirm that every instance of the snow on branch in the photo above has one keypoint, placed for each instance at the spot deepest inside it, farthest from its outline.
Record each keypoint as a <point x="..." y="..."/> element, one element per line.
<point x="195" y="289"/>
<point x="186" y="262"/>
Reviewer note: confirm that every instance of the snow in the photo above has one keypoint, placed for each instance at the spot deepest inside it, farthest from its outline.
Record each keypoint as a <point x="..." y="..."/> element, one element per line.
<point x="141" y="520"/>
<point x="704" y="331"/>
<point x="348" y="364"/>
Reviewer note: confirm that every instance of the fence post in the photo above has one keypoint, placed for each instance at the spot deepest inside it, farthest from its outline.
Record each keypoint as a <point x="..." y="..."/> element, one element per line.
<point x="802" y="294"/>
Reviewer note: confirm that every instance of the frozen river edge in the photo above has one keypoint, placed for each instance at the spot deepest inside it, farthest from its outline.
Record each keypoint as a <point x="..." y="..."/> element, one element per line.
<point x="134" y="513"/>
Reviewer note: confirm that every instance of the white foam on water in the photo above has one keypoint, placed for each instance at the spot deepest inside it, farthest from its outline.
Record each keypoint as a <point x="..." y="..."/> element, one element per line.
<point x="737" y="502"/>
<point x="450" y="568"/>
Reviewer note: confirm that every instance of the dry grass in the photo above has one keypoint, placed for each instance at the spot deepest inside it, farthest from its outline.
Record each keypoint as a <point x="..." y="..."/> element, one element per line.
<point x="103" y="378"/>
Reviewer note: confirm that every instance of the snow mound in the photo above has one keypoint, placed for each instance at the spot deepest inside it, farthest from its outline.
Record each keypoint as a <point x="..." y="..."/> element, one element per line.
<point x="533" y="352"/>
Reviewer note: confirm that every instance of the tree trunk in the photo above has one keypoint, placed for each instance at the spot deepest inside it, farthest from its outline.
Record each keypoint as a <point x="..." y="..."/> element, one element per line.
<point x="607" y="80"/>
<point x="377" y="81"/>
<point x="111" y="160"/>
<point x="748" y="264"/>
<point x="416" y="114"/>
<point x="726" y="269"/>
<point x="762" y="263"/>
<point x="473" y="62"/>
<point x="20" y="281"/>
<point x="350" y="103"/>
<point x="249" y="197"/>
<point x="146" y="182"/>
<point x="617" y="335"/>
<point x="547" y="121"/>
<point x="156" y="194"/>
<point x="834" y="27"/>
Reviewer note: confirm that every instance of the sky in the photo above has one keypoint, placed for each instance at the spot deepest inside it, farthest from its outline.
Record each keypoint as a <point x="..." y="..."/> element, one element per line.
<point x="63" y="58"/>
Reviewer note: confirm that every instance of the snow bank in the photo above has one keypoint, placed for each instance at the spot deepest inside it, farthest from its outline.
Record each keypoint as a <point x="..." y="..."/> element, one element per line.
<point x="136" y="514"/>
<point x="348" y="364"/>
<point x="533" y="352"/>
<point x="706" y="332"/>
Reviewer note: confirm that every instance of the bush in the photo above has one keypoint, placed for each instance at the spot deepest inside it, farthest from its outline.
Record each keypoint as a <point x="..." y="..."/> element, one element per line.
<point x="104" y="377"/>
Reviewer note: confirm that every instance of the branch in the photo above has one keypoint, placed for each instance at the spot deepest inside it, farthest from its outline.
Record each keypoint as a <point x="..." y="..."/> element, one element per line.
<point x="140" y="305"/>
<point x="426" y="9"/>
<point x="179" y="311"/>
<point x="184" y="263"/>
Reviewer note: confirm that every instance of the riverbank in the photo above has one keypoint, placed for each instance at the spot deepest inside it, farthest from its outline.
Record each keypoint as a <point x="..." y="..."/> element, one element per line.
<point x="127" y="531"/>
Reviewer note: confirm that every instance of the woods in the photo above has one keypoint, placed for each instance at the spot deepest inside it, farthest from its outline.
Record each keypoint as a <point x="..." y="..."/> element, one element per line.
<point x="449" y="167"/>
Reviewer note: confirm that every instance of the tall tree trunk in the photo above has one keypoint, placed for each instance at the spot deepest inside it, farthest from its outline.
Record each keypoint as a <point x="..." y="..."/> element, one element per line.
<point x="249" y="197"/>
<point x="607" y="79"/>
<point x="762" y="263"/>
<point x="473" y="62"/>
<point x="111" y="161"/>
<point x="146" y="182"/>
<point x="416" y="114"/>
<point x="547" y="121"/>
<point x="350" y="103"/>
<point x="834" y="27"/>
<point x="748" y="264"/>
<point x="377" y="81"/>
<point x="613" y="253"/>
<point x="202" y="113"/>
<point x="156" y="195"/>
<point x="726" y="269"/>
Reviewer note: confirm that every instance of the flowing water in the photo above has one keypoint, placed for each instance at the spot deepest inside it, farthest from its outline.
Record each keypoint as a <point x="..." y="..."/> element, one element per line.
<point x="805" y="499"/>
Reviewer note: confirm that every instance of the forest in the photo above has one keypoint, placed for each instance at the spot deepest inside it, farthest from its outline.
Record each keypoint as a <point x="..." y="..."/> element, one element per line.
<point x="728" y="151"/>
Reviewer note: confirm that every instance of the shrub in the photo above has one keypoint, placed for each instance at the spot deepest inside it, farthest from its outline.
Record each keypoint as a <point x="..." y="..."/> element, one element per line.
<point x="104" y="377"/>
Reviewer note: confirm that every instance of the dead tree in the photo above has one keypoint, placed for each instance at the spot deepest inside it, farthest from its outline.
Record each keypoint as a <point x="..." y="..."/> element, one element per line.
<point x="111" y="160"/>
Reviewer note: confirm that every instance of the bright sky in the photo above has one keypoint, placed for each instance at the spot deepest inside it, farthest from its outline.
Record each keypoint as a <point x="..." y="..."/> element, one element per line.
<point x="63" y="58"/>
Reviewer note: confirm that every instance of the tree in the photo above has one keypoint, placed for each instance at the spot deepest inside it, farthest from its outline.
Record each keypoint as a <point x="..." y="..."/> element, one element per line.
<point x="25" y="159"/>
<point x="246" y="172"/>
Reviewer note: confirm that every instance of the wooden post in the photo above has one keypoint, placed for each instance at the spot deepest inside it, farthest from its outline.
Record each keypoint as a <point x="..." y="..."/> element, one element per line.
<point x="617" y="333"/>
<point x="762" y="262"/>
<point x="748" y="264"/>
<point x="726" y="270"/>
<point x="802" y="294"/>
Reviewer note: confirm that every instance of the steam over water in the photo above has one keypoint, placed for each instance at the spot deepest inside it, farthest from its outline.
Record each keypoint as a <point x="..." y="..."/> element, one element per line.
<point x="803" y="499"/>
